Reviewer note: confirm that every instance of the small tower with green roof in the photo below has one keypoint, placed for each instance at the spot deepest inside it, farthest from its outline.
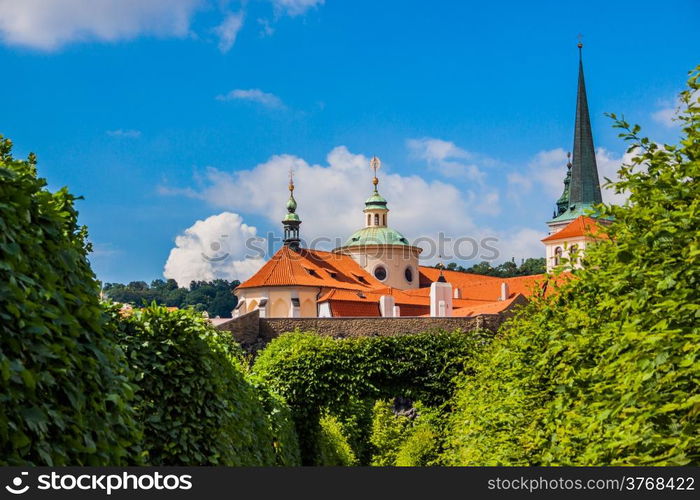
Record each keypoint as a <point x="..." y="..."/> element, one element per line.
<point x="291" y="221"/>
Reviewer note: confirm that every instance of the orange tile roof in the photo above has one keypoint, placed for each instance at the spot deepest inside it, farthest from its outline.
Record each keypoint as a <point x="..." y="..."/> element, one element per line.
<point x="488" y="307"/>
<point x="312" y="268"/>
<point x="458" y="279"/>
<point x="580" y="226"/>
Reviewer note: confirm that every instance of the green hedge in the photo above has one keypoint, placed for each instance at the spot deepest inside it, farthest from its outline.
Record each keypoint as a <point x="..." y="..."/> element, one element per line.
<point x="606" y="371"/>
<point x="406" y="441"/>
<point x="63" y="393"/>
<point x="317" y="374"/>
<point x="193" y="399"/>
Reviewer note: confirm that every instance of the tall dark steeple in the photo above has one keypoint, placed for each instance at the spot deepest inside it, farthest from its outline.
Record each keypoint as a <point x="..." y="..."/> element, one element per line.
<point x="583" y="187"/>
<point x="291" y="221"/>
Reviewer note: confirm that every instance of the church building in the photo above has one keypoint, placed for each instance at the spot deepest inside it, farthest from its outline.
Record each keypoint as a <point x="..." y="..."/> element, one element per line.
<point x="376" y="272"/>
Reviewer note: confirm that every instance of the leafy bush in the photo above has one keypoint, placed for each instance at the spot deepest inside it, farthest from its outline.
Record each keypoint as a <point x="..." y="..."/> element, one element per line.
<point x="333" y="446"/>
<point x="314" y="373"/>
<point x="605" y="372"/>
<point x="405" y="440"/>
<point x="63" y="394"/>
<point x="193" y="399"/>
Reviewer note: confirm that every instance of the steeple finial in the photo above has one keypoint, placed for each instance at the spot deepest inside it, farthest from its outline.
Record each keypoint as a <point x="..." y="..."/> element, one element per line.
<point x="375" y="164"/>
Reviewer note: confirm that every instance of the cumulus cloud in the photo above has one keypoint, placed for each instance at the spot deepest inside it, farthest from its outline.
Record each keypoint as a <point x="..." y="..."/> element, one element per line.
<point x="521" y="243"/>
<point x="447" y="158"/>
<point x="228" y="30"/>
<point x="213" y="248"/>
<point x="50" y="24"/>
<point x="128" y="133"/>
<point x="668" y="113"/>
<point x="331" y="196"/>
<point x="545" y="174"/>
<point x="295" y="7"/>
<point x="253" y="95"/>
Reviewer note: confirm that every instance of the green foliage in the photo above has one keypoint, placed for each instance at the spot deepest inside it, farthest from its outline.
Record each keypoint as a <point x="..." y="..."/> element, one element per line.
<point x="193" y="400"/>
<point x="280" y="424"/>
<point x="421" y="448"/>
<point x="63" y="393"/>
<point x="314" y="373"/>
<point x="405" y="440"/>
<point x="606" y="370"/>
<point x="333" y="446"/>
<point x="507" y="269"/>
<point x="215" y="297"/>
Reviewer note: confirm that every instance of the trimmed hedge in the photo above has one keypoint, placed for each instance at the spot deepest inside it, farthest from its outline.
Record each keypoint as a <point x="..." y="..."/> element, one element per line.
<point x="64" y="397"/>
<point x="193" y="399"/>
<point x="318" y="374"/>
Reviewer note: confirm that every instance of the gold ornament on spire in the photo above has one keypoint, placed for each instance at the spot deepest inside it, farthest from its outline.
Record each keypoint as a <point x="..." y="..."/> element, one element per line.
<point x="580" y="40"/>
<point x="375" y="164"/>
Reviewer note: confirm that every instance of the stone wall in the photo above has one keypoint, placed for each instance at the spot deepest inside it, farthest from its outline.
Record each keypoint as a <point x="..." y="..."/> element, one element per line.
<point x="254" y="332"/>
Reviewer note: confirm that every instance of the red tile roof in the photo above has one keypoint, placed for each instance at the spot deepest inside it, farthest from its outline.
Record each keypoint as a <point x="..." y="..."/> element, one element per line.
<point x="312" y="268"/>
<point x="488" y="307"/>
<point x="580" y="226"/>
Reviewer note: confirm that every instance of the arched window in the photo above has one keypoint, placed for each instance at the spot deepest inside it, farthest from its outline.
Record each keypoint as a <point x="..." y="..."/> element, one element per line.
<point x="376" y="219"/>
<point x="369" y="220"/>
<point x="557" y="255"/>
<point x="408" y="274"/>
<point x="574" y="255"/>
<point x="384" y="220"/>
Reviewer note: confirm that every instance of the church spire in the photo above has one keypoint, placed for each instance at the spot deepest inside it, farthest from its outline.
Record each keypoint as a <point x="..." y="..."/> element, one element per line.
<point x="291" y="221"/>
<point x="585" y="186"/>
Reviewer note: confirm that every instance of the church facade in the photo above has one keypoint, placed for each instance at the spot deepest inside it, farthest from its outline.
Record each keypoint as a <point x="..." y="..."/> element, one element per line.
<point x="376" y="272"/>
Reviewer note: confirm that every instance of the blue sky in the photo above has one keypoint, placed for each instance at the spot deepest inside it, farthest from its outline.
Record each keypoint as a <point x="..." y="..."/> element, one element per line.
<point x="163" y="113"/>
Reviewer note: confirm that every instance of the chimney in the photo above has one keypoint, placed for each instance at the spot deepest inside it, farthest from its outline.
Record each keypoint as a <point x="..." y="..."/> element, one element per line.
<point x="386" y="306"/>
<point x="458" y="293"/>
<point x="440" y="299"/>
<point x="397" y="312"/>
<point x="505" y="293"/>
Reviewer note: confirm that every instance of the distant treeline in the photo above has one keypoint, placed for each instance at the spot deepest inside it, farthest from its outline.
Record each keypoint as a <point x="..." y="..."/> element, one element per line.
<point x="508" y="269"/>
<point x="215" y="297"/>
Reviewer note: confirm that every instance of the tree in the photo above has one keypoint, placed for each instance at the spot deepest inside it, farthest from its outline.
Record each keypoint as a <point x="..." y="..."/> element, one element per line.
<point x="64" y="396"/>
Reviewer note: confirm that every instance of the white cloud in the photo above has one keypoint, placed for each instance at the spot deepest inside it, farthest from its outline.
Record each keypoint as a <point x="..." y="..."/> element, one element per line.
<point x="545" y="174"/>
<point x="50" y="24"/>
<point x="331" y="197"/>
<point x="520" y="244"/>
<point x="295" y="7"/>
<point x="211" y="249"/>
<point x="667" y="115"/>
<point x="228" y="30"/>
<point x="447" y="158"/>
<point x="128" y="133"/>
<point x="254" y="95"/>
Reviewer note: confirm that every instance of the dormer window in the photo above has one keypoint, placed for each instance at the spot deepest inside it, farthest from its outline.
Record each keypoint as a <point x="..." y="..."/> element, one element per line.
<point x="312" y="272"/>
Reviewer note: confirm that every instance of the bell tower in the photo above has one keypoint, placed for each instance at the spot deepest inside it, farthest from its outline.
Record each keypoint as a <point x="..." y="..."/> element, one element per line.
<point x="291" y="221"/>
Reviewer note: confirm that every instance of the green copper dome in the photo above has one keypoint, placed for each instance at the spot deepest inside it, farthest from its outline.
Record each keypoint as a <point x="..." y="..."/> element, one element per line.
<point x="376" y="236"/>
<point x="375" y="201"/>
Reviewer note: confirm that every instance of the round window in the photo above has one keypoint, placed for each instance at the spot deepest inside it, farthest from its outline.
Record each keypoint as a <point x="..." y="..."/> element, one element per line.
<point x="380" y="273"/>
<point x="408" y="273"/>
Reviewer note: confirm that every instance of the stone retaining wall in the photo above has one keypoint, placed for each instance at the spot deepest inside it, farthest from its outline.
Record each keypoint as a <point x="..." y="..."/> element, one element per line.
<point x="254" y="332"/>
